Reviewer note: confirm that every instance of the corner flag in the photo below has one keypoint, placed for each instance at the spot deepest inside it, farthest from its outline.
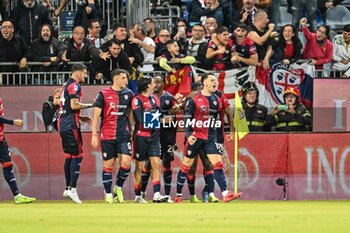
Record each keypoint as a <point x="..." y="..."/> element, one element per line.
<point x="241" y="129"/>
<point x="240" y="121"/>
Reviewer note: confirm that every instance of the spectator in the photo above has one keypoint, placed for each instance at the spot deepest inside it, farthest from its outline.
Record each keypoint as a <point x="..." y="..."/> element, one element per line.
<point x="293" y="116"/>
<point x="274" y="11"/>
<point x="197" y="45"/>
<point x="288" y="48"/>
<point x="78" y="48"/>
<point x="146" y="44"/>
<point x="210" y="27"/>
<point x="180" y="34"/>
<point x="261" y="36"/>
<point x="341" y="51"/>
<point x="243" y="51"/>
<point x="132" y="50"/>
<point x="3" y="9"/>
<point x="256" y="114"/>
<point x="173" y="54"/>
<point x="219" y="50"/>
<point x="198" y="10"/>
<point x="247" y="13"/>
<point x="334" y="3"/>
<point x="318" y="48"/>
<point x="151" y="28"/>
<point x="217" y="12"/>
<point x="45" y="50"/>
<point x="87" y="10"/>
<point x="13" y="48"/>
<point x="118" y="59"/>
<point x="28" y="17"/>
<point x="94" y="29"/>
<point x="161" y="39"/>
<point x="297" y="11"/>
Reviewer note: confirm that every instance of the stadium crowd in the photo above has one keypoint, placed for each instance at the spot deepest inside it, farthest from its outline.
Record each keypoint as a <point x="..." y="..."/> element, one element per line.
<point x="214" y="37"/>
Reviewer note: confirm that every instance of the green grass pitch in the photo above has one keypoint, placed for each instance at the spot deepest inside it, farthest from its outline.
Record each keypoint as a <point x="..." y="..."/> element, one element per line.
<point x="238" y="217"/>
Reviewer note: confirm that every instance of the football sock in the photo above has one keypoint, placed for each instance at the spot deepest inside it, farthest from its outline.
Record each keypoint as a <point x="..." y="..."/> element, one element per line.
<point x="144" y="179"/>
<point x="167" y="176"/>
<point x="209" y="181"/>
<point x="122" y="175"/>
<point x="156" y="186"/>
<point x="190" y="181"/>
<point x="74" y="171"/>
<point x="107" y="179"/>
<point x="220" y="176"/>
<point x="67" y="162"/>
<point x="181" y="178"/>
<point x="10" y="178"/>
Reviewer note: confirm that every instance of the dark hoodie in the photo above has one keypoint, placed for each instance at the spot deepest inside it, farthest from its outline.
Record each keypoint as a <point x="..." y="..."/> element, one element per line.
<point x="42" y="51"/>
<point x="28" y="20"/>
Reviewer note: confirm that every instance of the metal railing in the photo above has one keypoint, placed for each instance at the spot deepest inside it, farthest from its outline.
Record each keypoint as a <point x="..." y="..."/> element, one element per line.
<point x="59" y="77"/>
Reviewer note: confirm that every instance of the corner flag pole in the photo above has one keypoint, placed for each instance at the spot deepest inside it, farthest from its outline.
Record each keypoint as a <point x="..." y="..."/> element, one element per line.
<point x="236" y="163"/>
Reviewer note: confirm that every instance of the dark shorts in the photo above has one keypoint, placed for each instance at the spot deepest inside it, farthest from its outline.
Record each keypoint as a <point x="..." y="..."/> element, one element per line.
<point x="72" y="142"/>
<point x="146" y="147"/>
<point x="167" y="152"/>
<point x="208" y="147"/>
<point x="111" y="149"/>
<point x="168" y="144"/>
<point x="4" y="152"/>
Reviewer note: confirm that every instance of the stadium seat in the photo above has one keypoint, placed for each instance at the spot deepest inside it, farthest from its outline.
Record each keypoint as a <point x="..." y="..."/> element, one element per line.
<point x="337" y="17"/>
<point x="286" y="18"/>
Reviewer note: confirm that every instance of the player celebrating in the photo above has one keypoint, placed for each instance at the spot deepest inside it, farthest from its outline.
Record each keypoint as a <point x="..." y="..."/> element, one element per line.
<point x="6" y="162"/>
<point x="202" y="107"/>
<point x="113" y="104"/>
<point x="146" y="139"/>
<point x="69" y="128"/>
<point x="169" y="106"/>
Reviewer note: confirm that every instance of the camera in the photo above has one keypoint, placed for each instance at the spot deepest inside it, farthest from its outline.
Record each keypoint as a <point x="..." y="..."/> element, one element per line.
<point x="282" y="107"/>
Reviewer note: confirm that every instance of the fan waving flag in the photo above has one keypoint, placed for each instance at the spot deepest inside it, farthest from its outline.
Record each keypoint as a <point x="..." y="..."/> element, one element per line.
<point x="179" y="82"/>
<point x="240" y="121"/>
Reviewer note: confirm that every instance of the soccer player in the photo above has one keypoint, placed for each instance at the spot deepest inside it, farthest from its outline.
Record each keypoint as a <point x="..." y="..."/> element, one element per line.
<point x="203" y="107"/>
<point x="113" y="104"/>
<point x="69" y="128"/>
<point x="169" y="106"/>
<point x="147" y="142"/>
<point x="6" y="162"/>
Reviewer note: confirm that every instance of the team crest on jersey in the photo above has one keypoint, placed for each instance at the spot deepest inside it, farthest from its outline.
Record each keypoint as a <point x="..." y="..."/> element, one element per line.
<point x="104" y="154"/>
<point x="76" y="87"/>
<point x="137" y="155"/>
<point x="189" y="152"/>
<point x="203" y="108"/>
<point x="167" y="102"/>
<point x="215" y="103"/>
<point x="153" y="102"/>
<point x="136" y="101"/>
<point x="126" y="96"/>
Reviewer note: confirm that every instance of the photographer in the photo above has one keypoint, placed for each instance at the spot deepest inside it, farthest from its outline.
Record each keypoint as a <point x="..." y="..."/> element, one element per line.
<point x="292" y="116"/>
<point x="49" y="111"/>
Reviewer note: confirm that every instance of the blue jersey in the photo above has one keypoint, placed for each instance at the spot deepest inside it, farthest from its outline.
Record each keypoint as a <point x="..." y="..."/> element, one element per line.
<point x="69" y="118"/>
<point x="114" y="117"/>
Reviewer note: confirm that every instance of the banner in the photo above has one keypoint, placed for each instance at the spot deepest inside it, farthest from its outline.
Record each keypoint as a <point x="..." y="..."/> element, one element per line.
<point x="179" y="82"/>
<point x="331" y="108"/>
<point x="231" y="81"/>
<point x="315" y="166"/>
<point x="26" y="103"/>
<point x="272" y="84"/>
